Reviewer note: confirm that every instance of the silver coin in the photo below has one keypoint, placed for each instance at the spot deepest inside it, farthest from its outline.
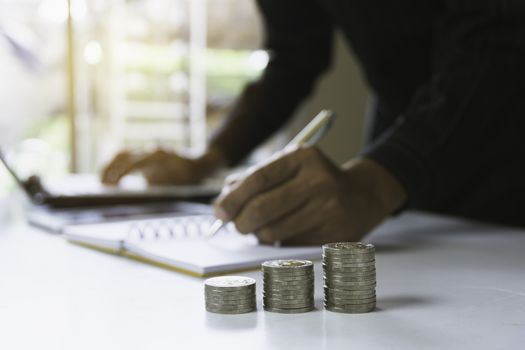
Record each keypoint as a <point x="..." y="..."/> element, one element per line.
<point x="346" y="275"/>
<point x="342" y="302"/>
<point x="286" y="265"/>
<point x="289" y="289"/>
<point x="349" y="295"/>
<point x="230" y="307"/>
<point x="350" y="301"/>
<point x="288" y="303"/>
<point x="230" y="302"/>
<point x="289" y="311"/>
<point x="230" y="296"/>
<point x="330" y="256"/>
<point x="271" y="279"/>
<point x="335" y="283"/>
<point x="347" y="260"/>
<point x="284" y="299"/>
<point x="290" y="284"/>
<point x="354" y="272"/>
<point x="345" y="290"/>
<point x="346" y="269"/>
<point x="289" y="272"/>
<point x="355" y="247"/>
<point x="219" y="291"/>
<point x="352" y="289"/>
<point x="356" y="309"/>
<point x="372" y="303"/>
<point x="348" y="255"/>
<point x="248" y="289"/>
<point x="286" y="307"/>
<point x="349" y="276"/>
<point x="229" y="283"/>
<point x="350" y="285"/>
<point x="349" y="282"/>
<point x="289" y="299"/>
<point x="230" y="312"/>
<point x="286" y="285"/>
<point x="352" y="267"/>
<point x="289" y="296"/>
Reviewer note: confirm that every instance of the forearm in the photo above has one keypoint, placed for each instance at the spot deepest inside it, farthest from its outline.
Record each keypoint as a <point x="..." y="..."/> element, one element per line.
<point x="298" y="37"/>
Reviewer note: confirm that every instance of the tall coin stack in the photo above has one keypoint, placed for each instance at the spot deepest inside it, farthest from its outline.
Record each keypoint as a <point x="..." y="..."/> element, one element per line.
<point x="349" y="277"/>
<point x="288" y="286"/>
<point x="230" y="295"/>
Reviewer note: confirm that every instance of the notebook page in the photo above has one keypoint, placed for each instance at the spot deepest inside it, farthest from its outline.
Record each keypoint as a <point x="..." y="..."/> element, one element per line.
<point x="227" y="251"/>
<point x="109" y="236"/>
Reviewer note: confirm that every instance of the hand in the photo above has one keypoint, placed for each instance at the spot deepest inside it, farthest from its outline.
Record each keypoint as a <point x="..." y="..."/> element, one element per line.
<point x="301" y="198"/>
<point x="162" y="167"/>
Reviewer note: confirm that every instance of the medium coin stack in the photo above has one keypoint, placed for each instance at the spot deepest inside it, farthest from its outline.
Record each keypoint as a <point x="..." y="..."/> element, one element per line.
<point x="349" y="277"/>
<point x="288" y="286"/>
<point x="230" y="295"/>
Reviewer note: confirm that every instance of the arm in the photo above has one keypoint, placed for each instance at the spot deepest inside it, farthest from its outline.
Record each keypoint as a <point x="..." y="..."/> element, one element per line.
<point x="439" y="147"/>
<point x="461" y="122"/>
<point x="298" y="36"/>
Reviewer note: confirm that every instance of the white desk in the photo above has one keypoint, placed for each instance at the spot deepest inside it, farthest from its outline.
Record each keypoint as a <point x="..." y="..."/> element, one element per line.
<point x="442" y="284"/>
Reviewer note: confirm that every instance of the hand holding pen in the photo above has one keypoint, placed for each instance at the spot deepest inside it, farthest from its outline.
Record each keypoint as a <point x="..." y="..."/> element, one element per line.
<point x="309" y="135"/>
<point x="300" y="197"/>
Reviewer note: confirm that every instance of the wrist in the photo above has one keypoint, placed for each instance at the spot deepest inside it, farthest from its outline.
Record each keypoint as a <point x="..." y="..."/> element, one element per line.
<point x="379" y="183"/>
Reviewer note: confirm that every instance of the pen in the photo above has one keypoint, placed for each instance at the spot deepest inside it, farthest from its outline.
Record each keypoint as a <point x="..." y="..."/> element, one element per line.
<point x="309" y="135"/>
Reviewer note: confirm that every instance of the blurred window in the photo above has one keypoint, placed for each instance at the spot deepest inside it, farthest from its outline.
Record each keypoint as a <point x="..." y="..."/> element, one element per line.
<point x="147" y="73"/>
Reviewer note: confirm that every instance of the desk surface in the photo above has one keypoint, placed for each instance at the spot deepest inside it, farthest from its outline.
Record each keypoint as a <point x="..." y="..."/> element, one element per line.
<point x="442" y="284"/>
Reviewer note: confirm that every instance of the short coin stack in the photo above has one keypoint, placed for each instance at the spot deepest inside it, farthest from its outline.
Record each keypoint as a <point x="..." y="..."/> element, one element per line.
<point x="230" y="295"/>
<point x="288" y="286"/>
<point x="349" y="277"/>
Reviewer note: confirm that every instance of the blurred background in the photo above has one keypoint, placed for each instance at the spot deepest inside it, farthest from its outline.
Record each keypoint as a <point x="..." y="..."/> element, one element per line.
<point x="82" y="79"/>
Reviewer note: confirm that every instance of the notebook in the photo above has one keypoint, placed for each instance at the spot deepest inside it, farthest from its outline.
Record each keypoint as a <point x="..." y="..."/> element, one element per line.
<point x="180" y="243"/>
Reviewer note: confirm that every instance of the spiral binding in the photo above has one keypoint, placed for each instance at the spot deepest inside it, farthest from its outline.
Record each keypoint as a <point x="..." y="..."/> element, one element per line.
<point x="194" y="226"/>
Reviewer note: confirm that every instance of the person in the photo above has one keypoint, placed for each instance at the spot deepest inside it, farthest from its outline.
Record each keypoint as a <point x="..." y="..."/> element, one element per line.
<point x="447" y="78"/>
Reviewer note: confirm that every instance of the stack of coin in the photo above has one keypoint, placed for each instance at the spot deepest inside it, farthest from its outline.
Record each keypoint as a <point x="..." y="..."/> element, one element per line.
<point x="230" y="295"/>
<point x="349" y="277"/>
<point x="288" y="286"/>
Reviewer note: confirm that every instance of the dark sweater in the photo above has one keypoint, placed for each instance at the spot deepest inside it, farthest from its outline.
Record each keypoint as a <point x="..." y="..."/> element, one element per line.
<point x="448" y="78"/>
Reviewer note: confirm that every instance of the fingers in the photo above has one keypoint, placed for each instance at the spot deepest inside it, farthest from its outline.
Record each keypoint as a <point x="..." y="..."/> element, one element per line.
<point x="303" y="220"/>
<point x="259" y="180"/>
<point x="271" y="205"/>
<point x="114" y="171"/>
<point x="125" y="163"/>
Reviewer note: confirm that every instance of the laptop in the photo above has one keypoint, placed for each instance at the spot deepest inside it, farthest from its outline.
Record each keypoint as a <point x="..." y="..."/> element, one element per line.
<point x="86" y="190"/>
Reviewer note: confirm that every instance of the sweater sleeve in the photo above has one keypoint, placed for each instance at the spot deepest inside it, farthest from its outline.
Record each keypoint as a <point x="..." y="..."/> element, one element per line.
<point x="298" y="37"/>
<point x="460" y="124"/>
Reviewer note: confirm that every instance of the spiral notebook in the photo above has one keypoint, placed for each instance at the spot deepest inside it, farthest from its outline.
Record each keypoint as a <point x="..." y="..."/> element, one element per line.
<point x="180" y="243"/>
